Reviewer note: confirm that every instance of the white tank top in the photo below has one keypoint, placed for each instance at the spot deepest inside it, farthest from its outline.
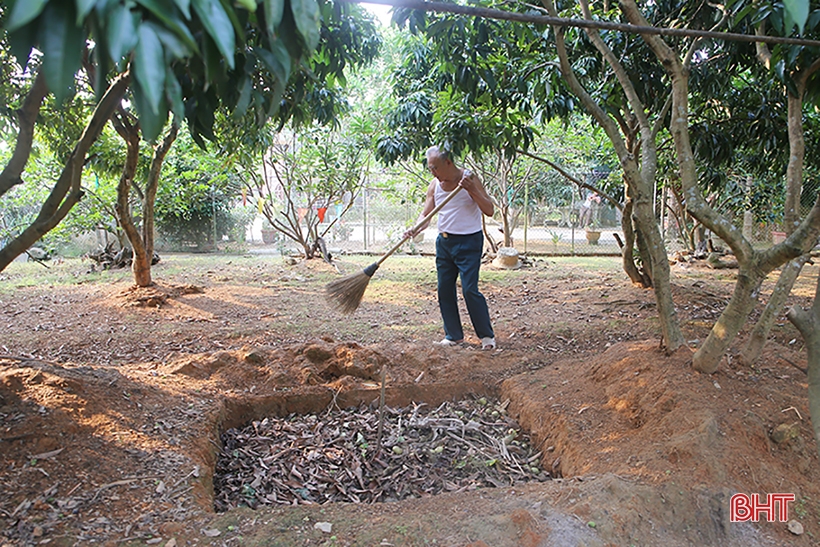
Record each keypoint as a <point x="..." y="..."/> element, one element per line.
<point x="461" y="216"/>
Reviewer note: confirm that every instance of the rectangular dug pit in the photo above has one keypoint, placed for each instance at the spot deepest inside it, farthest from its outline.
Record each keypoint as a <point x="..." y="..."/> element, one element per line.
<point x="335" y="456"/>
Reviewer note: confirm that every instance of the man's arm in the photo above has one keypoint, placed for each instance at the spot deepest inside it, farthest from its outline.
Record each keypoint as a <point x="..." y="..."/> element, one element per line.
<point x="475" y="188"/>
<point x="429" y="205"/>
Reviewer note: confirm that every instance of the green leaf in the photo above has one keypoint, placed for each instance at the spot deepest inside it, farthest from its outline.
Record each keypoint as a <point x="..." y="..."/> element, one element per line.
<point x="249" y="5"/>
<point x="100" y="58"/>
<point x="62" y="43"/>
<point x="306" y="15"/>
<point x="218" y="26"/>
<point x="174" y="47"/>
<point x="122" y="32"/>
<point x="174" y="93"/>
<point x="277" y="60"/>
<point x="21" y="41"/>
<point x="798" y="11"/>
<point x="244" y="98"/>
<point x="149" y="66"/>
<point x="743" y="13"/>
<point x="151" y="122"/>
<point x="84" y="8"/>
<point x="276" y="99"/>
<point x="170" y="20"/>
<point x="273" y="13"/>
<point x="24" y="11"/>
<point x="184" y="7"/>
<point x="211" y="60"/>
<point x="238" y="28"/>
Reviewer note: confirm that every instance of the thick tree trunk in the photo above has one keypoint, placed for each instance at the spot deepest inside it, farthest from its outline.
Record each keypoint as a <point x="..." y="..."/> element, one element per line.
<point x="659" y="270"/>
<point x="67" y="191"/>
<point x="807" y="321"/>
<point x="794" y="171"/>
<point x="131" y="135"/>
<point x="744" y="298"/>
<point x="757" y="339"/>
<point x="792" y="217"/>
<point x="708" y="356"/>
<point x="754" y="265"/>
<point x="505" y="225"/>
<point x="140" y="267"/>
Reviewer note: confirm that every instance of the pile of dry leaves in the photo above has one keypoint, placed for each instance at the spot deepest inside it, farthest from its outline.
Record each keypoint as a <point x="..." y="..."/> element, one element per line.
<point x="335" y="456"/>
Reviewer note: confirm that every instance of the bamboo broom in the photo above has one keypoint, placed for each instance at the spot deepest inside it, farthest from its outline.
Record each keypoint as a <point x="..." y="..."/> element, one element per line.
<point x="346" y="294"/>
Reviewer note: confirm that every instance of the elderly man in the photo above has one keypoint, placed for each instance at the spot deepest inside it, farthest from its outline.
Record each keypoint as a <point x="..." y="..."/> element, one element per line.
<point x="458" y="246"/>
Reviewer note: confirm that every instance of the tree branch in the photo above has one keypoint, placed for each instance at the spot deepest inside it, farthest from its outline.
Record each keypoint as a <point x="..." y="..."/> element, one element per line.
<point x="60" y="200"/>
<point x="26" y="118"/>
<point x="439" y="7"/>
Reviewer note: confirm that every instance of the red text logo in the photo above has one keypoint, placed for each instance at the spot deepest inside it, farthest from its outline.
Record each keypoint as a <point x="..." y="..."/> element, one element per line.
<point x="745" y="507"/>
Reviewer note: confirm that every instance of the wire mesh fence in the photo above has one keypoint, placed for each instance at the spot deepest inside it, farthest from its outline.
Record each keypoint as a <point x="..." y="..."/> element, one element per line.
<point x="375" y="226"/>
<point x="580" y="227"/>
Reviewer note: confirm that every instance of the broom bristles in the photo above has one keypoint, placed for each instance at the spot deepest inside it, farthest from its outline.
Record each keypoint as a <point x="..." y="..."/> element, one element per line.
<point x="346" y="294"/>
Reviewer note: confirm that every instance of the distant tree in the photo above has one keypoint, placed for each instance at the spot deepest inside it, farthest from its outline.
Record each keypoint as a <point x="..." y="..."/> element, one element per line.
<point x="307" y="176"/>
<point x="196" y="196"/>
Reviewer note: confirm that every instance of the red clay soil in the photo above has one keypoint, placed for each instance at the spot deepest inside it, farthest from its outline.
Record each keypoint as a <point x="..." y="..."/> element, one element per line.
<point x="112" y="401"/>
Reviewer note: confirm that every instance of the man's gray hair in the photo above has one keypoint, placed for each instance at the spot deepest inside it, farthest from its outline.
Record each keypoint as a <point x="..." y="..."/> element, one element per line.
<point x="435" y="151"/>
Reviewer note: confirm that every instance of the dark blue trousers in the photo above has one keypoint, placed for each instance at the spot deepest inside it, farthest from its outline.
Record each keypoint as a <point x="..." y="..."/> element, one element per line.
<point x="460" y="255"/>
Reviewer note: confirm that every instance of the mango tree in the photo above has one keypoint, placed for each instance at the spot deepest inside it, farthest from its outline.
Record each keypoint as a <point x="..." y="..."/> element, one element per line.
<point x="189" y="57"/>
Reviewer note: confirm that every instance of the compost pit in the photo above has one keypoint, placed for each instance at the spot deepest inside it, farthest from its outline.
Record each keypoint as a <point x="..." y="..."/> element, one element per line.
<point x="356" y="455"/>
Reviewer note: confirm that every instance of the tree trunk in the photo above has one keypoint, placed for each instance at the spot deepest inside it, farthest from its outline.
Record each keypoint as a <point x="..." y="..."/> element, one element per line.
<point x="744" y="298"/>
<point x="794" y="187"/>
<point x="139" y="266"/>
<point x="794" y="171"/>
<point x="806" y="321"/>
<point x="634" y="177"/>
<point x="151" y="186"/>
<point x="628" y="250"/>
<point x="505" y="225"/>
<point x="757" y="339"/>
<point x="754" y="265"/>
<point x="67" y="190"/>
<point x="659" y="271"/>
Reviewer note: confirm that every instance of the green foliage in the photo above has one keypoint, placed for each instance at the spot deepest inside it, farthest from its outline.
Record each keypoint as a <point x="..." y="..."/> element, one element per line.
<point x="19" y="208"/>
<point x="186" y="56"/>
<point x="471" y="84"/>
<point x="197" y="189"/>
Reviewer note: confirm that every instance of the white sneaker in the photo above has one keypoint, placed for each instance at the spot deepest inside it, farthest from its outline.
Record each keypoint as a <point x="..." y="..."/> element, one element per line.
<point x="488" y="343"/>
<point x="448" y="343"/>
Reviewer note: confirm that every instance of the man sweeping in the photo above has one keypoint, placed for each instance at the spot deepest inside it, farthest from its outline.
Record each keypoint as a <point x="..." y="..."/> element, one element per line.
<point x="458" y="246"/>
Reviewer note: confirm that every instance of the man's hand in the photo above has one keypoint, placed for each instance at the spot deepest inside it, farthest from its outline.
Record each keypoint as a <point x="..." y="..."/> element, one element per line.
<point x="469" y="181"/>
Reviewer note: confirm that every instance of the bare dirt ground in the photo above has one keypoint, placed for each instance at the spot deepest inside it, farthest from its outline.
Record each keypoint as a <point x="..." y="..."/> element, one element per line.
<point x="112" y="401"/>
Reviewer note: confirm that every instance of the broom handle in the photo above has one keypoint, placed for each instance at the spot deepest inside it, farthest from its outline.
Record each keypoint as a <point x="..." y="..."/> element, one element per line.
<point x="430" y="215"/>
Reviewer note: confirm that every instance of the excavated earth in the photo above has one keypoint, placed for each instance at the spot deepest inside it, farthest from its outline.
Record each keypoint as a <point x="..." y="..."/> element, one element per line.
<point x="114" y="402"/>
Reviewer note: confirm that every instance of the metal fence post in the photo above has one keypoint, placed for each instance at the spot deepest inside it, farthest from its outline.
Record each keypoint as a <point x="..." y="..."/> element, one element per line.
<point x="526" y="212"/>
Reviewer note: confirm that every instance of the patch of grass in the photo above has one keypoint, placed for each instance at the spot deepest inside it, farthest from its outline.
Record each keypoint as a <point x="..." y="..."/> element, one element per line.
<point x="589" y="264"/>
<point x="71" y="271"/>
